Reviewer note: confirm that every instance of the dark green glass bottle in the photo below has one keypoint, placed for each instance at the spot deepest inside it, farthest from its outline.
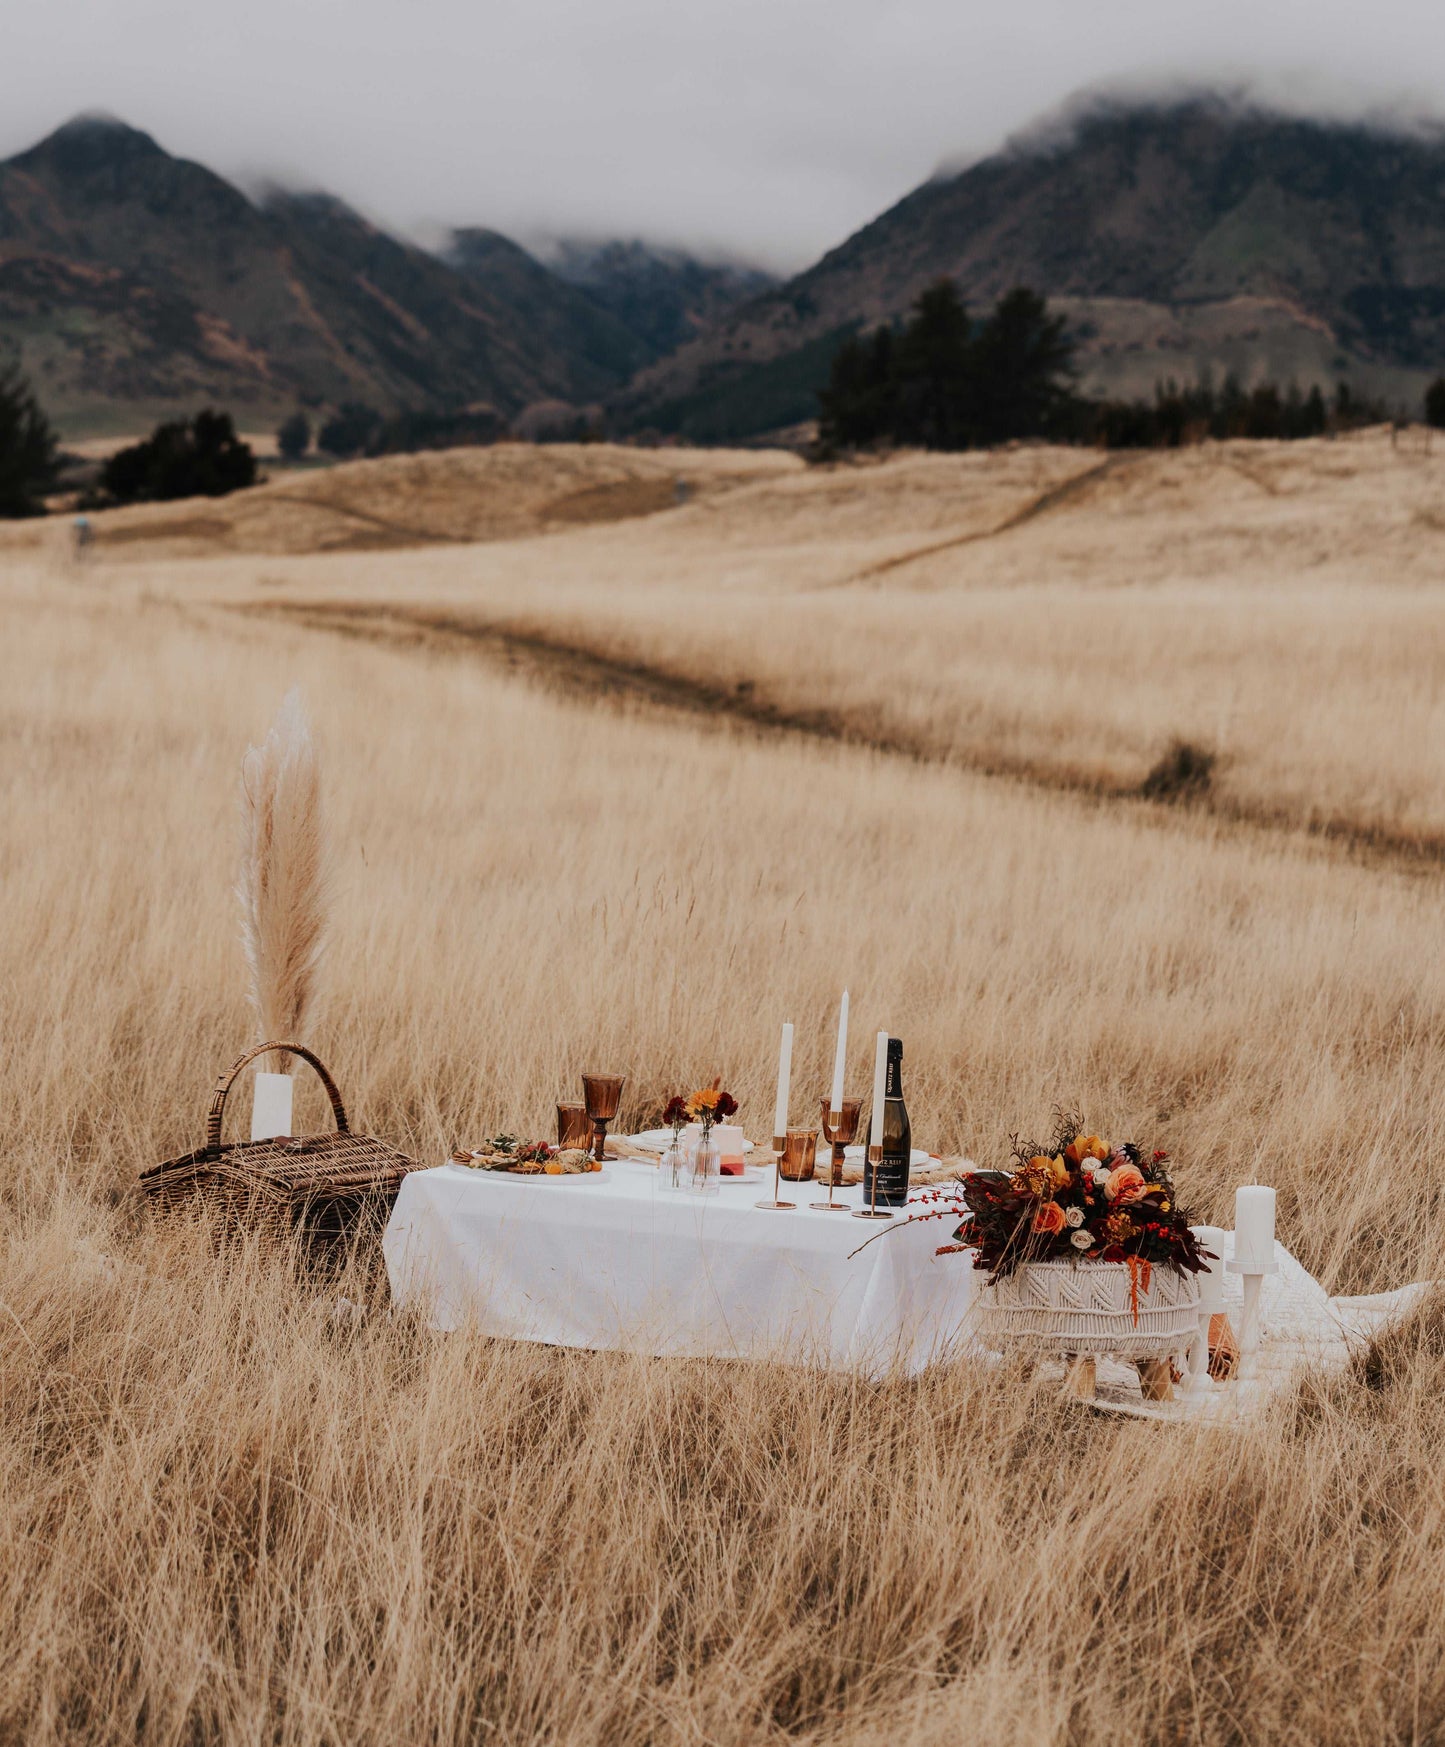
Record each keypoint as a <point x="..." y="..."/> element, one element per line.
<point x="892" y="1190"/>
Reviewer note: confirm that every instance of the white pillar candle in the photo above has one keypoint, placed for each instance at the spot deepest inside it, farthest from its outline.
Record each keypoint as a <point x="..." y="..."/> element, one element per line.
<point x="880" y="1081"/>
<point x="1211" y="1281"/>
<point x="835" y="1101"/>
<point x="785" y="1075"/>
<point x="1253" y="1226"/>
<point x="271" y="1106"/>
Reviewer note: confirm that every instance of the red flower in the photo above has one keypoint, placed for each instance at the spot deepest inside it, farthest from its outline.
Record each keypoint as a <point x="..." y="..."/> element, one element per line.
<point x="727" y="1106"/>
<point x="675" y="1116"/>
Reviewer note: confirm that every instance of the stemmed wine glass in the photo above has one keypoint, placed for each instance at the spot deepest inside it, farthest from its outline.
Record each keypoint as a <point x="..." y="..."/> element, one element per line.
<point x="603" y="1093"/>
<point x="840" y="1137"/>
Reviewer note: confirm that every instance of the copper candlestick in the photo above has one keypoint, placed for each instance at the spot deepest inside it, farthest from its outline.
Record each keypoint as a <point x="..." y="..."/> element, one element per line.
<point x="873" y="1210"/>
<point x="603" y="1093"/>
<point x="840" y="1137"/>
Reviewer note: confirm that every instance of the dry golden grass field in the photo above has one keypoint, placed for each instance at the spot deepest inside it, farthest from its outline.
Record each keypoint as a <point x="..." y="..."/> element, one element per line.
<point x="628" y="756"/>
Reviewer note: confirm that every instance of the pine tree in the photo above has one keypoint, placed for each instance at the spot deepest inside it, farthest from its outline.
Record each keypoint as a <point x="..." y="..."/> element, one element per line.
<point x="27" y="448"/>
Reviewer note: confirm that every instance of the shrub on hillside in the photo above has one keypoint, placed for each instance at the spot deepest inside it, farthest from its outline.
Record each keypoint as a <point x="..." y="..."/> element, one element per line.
<point x="349" y="431"/>
<point x="199" y="457"/>
<point x="408" y="432"/>
<point x="293" y="438"/>
<point x="27" y="448"/>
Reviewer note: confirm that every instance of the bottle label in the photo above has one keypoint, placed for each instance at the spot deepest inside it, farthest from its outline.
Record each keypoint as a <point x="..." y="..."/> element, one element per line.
<point x="892" y="1172"/>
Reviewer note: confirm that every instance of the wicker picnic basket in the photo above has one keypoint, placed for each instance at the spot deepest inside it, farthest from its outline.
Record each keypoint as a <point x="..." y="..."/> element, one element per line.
<point x="326" y="1184"/>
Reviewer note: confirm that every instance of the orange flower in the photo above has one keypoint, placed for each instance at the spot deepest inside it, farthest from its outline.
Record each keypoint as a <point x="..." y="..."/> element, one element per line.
<point x="1049" y="1219"/>
<point x="1125" y="1184"/>
<point x="706" y="1099"/>
<point x="1085" y="1146"/>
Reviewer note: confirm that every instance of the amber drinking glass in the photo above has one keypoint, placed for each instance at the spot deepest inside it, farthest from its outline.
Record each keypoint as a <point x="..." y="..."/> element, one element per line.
<point x="574" y="1129"/>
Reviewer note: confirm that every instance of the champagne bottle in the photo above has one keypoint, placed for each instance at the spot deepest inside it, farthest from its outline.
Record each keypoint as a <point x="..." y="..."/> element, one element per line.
<point x="892" y="1173"/>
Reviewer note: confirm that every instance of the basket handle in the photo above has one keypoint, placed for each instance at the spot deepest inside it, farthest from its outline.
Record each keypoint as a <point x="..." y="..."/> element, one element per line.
<point x="227" y="1079"/>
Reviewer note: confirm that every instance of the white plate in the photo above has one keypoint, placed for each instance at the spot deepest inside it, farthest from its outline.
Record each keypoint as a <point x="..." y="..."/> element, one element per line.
<point x="750" y="1178"/>
<point x="536" y="1176"/>
<point x="854" y="1155"/>
<point x="658" y="1140"/>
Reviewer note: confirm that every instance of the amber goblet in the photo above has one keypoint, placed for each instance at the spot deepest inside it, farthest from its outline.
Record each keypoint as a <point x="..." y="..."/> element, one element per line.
<point x="603" y="1093"/>
<point x="839" y="1135"/>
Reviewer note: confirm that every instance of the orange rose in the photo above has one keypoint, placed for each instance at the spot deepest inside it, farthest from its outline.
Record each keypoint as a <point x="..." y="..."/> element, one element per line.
<point x="1126" y="1184"/>
<point x="1049" y="1219"/>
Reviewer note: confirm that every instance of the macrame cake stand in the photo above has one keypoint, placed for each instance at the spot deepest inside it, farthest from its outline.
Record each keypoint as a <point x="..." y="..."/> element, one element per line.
<point x="1085" y="1310"/>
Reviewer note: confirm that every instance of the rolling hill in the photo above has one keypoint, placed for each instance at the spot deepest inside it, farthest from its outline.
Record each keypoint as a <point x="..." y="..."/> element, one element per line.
<point x="1179" y="238"/>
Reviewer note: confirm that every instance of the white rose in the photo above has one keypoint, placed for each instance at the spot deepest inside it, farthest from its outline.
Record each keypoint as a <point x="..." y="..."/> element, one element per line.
<point x="1101" y="1180"/>
<point x="1073" y="1216"/>
<point x="1082" y="1240"/>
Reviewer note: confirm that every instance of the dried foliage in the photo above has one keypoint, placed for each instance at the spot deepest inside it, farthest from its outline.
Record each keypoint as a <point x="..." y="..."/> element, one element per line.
<point x="283" y="884"/>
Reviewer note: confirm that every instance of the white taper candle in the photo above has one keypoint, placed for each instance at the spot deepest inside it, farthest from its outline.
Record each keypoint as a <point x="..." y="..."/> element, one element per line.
<point x="880" y="1081"/>
<point x="1211" y="1281"/>
<point x="785" y="1075"/>
<point x="835" y="1101"/>
<point x="1253" y="1225"/>
<point x="271" y="1106"/>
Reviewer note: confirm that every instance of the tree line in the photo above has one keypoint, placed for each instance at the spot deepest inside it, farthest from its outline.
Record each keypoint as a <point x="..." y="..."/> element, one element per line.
<point x="943" y="380"/>
<point x="939" y="379"/>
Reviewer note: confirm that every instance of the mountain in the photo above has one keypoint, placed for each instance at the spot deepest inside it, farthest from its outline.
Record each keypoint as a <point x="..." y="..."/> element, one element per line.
<point x="605" y="349"/>
<point x="1180" y="238"/>
<point x="134" y="284"/>
<point x="664" y="296"/>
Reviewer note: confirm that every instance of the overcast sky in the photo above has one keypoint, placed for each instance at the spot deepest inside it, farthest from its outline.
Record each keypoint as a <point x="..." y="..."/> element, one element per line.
<point x="768" y="128"/>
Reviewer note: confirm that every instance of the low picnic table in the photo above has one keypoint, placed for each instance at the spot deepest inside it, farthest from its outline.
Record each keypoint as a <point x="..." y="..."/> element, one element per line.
<point x="621" y="1260"/>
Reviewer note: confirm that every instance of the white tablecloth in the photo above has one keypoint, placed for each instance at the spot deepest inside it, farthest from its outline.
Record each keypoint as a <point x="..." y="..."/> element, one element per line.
<point x="625" y="1261"/>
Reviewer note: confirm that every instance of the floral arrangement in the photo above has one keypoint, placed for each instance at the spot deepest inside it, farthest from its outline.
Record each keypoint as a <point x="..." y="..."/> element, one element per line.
<point x="527" y="1158"/>
<point x="706" y="1106"/>
<point x="1075" y="1197"/>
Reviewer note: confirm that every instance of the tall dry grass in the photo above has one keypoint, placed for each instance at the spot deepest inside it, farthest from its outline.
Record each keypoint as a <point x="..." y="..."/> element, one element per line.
<point x="1275" y="604"/>
<point x="226" y="1515"/>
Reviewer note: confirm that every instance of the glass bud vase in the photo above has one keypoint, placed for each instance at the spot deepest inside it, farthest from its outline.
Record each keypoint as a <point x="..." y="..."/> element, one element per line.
<point x="704" y="1165"/>
<point x="674" y="1162"/>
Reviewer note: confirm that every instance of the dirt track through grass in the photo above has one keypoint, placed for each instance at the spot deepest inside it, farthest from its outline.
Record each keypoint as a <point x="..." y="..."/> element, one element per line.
<point x="1055" y="497"/>
<point x="573" y="669"/>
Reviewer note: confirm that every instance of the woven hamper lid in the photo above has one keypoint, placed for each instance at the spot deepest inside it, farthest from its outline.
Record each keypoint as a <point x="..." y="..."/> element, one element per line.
<point x="286" y="1169"/>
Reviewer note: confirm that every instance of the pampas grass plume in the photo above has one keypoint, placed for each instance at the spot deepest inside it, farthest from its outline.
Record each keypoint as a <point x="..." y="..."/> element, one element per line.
<point x="284" y="881"/>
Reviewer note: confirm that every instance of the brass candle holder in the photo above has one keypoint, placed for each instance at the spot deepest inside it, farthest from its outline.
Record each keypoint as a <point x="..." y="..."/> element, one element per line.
<point x="794" y="1160"/>
<point x="840" y="1136"/>
<point x="603" y="1093"/>
<point x="873" y="1210"/>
